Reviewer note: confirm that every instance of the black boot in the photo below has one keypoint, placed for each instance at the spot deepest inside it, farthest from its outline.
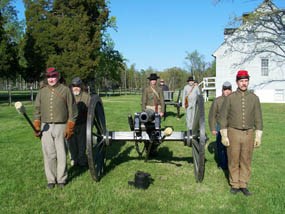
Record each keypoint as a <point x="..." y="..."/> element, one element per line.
<point x="245" y="191"/>
<point x="234" y="190"/>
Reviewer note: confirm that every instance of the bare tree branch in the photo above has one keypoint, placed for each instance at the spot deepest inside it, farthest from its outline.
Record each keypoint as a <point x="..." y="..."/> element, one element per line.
<point x="261" y="32"/>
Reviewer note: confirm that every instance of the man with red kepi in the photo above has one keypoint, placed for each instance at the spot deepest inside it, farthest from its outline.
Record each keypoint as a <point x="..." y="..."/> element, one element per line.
<point x="240" y="117"/>
<point x="54" y="120"/>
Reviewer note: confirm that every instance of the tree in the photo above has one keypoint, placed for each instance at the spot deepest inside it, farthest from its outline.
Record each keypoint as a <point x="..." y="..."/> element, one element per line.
<point x="69" y="35"/>
<point x="130" y="77"/>
<point x="9" y="65"/>
<point x="111" y="65"/>
<point x="13" y="27"/>
<point x="174" y="77"/>
<point x="79" y="24"/>
<point x="211" y="70"/>
<point x="37" y="43"/>
<point x="260" y="32"/>
<point x="196" y="64"/>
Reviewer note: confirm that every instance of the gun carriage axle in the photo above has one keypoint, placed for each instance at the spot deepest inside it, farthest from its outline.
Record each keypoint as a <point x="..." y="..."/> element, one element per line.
<point x="144" y="128"/>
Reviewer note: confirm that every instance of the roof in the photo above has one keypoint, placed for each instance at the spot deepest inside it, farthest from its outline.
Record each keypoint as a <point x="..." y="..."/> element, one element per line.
<point x="265" y="7"/>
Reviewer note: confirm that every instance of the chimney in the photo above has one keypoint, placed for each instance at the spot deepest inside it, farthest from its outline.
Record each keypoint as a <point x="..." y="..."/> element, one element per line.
<point x="228" y="32"/>
<point x="245" y="17"/>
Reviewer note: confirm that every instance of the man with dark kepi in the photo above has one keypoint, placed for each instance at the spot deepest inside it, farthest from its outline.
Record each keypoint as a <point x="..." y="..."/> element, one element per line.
<point x="152" y="97"/>
<point x="54" y="120"/>
<point x="214" y="113"/>
<point x="189" y="98"/>
<point x="77" y="142"/>
<point x="240" y="118"/>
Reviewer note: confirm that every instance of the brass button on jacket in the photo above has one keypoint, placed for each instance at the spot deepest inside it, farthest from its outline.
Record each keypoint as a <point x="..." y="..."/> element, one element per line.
<point x="237" y="111"/>
<point x="54" y="104"/>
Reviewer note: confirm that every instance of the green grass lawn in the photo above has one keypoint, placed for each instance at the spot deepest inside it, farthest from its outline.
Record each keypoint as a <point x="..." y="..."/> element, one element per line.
<point x="174" y="190"/>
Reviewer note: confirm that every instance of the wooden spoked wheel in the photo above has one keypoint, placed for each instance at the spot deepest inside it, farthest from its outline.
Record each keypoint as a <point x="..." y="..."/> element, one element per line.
<point x="96" y="137"/>
<point x="199" y="140"/>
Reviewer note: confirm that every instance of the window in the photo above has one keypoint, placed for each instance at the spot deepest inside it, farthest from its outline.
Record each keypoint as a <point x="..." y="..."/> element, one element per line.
<point x="264" y="67"/>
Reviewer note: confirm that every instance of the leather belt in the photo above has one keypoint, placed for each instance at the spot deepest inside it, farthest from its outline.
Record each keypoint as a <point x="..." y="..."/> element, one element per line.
<point x="242" y="129"/>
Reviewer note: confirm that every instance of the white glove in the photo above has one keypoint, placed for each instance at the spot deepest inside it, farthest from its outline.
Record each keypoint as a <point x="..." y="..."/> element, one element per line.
<point x="258" y="135"/>
<point x="225" y="139"/>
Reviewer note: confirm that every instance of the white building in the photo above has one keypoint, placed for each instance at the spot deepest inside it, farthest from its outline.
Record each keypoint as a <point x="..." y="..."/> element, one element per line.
<point x="258" y="46"/>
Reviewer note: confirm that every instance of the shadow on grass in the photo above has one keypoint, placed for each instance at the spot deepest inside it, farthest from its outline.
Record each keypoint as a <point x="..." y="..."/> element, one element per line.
<point x="212" y="148"/>
<point x="116" y="156"/>
<point x="112" y="152"/>
<point x="164" y="156"/>
<point x="172" y="114"/>
<point x="76" y="171"/>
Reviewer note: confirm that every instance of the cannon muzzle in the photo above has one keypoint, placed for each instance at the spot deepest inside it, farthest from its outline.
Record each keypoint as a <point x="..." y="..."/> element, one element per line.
<point x="147" y="116"/>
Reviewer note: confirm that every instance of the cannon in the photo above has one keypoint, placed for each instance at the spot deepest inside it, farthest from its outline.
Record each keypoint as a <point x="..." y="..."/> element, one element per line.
<point x="145" y="127"/>
<point x="148" y="122"/>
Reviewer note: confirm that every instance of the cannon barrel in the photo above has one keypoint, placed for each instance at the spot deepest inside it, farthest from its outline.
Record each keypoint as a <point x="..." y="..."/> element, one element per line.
<point x="147" y="116"/>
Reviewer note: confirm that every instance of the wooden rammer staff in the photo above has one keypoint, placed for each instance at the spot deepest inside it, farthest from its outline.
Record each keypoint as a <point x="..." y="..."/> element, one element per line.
<point x="21" y="109"/>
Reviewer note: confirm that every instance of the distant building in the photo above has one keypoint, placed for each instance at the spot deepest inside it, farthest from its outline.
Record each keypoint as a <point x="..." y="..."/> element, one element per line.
<point x="257" y="45"/>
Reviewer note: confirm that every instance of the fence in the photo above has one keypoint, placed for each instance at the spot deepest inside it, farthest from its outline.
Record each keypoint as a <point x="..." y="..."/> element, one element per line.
<point x="11" y="95"/>
<point x="208" y="86"/>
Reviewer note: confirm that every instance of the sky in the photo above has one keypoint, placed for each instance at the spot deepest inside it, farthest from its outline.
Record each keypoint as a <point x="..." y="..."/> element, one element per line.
<point x="160" y="33"/>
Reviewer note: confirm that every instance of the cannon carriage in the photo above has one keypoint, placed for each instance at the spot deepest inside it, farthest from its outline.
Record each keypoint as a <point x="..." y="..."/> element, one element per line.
<point x="145" y="127"/>
<point x="169" y="100"/>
